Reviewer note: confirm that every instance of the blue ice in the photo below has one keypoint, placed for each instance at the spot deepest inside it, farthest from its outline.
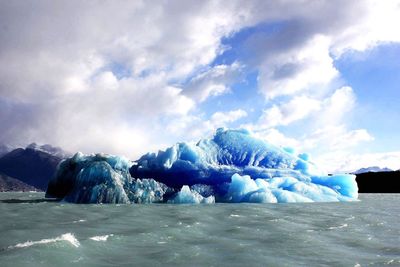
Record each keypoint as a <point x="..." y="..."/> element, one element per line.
<point x="101" y="178"/>
<point x="232" y="166"/>
<point x="189" y="196"/>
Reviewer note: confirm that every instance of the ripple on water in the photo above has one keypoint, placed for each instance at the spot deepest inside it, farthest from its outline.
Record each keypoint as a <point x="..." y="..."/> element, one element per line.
<point x="48" y="234"/>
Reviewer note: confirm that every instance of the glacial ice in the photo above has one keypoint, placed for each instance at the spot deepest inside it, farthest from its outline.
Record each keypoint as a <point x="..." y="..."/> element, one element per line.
<point x="232" y="166"/>
<point x="214" y="161"/>
<point x="102" y="178"/>
<point x="189" y="196"/>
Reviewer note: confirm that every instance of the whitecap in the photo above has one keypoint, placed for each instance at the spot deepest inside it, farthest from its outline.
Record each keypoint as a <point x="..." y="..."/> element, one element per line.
<point x="78" y="221"/>
<point x="68" y="237"/>
<point x="350" y="218"/>
<point x="100" y="237"/>
<point x="338" y="227"/>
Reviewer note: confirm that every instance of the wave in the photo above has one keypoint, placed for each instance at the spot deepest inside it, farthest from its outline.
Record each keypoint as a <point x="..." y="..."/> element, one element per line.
<point x="101" y="237"/>
<point x="68" y="237"/>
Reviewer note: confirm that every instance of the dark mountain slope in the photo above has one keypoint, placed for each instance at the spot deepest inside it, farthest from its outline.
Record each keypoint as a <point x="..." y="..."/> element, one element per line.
<point x="31" y="166"/>
<point x="8" y="183"/>
<point x="379" y="182"/>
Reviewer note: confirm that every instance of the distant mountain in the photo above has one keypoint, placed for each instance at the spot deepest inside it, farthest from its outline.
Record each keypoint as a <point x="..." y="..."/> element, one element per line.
<point x="34" y="165"/>
<point x="378" y="182"/>
<point x="55" y="151"/>
<point x="8" y="183"/>
<point x="372" y="169"/>
<point x="4" y="149"/>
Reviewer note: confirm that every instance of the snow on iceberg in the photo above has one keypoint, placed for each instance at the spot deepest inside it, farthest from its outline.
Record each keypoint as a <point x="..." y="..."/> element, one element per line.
<point x="232" y="166"/>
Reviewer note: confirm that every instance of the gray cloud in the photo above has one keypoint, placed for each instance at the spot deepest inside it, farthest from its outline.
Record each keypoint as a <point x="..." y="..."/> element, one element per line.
<point x="60" y="64"/>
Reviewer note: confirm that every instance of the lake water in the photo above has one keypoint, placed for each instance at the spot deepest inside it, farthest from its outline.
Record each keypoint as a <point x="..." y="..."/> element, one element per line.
<point x="38" y="233"/>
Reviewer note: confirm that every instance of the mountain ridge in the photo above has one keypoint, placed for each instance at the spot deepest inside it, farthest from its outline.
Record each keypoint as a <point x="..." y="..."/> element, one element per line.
<point x="372" y="169"/>
<point x="33" y="165"/>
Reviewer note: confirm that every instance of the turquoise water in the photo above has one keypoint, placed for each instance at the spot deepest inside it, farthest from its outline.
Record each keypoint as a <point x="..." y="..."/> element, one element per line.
<point x="38" y="233"/>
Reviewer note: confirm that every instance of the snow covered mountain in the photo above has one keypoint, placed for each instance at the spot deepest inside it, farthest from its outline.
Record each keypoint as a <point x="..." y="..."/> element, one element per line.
<point x="372" y="169"/>
<point x="55" y="151"/>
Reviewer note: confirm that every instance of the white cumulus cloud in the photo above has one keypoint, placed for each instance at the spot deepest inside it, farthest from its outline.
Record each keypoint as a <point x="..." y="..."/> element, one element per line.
<point x="96" y="75"/>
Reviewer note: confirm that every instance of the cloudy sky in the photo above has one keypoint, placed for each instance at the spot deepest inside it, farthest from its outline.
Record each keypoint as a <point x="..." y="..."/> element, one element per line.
<point x="127" y="77"/>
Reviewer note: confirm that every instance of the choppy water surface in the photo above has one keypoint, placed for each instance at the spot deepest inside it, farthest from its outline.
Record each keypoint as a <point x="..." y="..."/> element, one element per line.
<point x="38" y="233"/>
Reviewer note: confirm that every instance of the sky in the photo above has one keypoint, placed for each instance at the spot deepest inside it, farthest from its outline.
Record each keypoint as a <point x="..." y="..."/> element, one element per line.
<point x="129" y="77"/>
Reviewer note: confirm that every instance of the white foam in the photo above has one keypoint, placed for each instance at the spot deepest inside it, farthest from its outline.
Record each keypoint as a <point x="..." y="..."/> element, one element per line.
<point x="79" y="221"/>
<point x="101" y="237"/>
<point x="338" y="227"/>
<point x="350" y="218"/>
<point x="70" y="238"/>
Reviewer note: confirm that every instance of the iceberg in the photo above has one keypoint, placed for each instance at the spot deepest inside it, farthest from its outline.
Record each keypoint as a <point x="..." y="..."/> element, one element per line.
<point x="101" y="178"/>
<point x="189" y="196"/>
<point x="214" y="161"/>
<point x="232" y="166"/>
